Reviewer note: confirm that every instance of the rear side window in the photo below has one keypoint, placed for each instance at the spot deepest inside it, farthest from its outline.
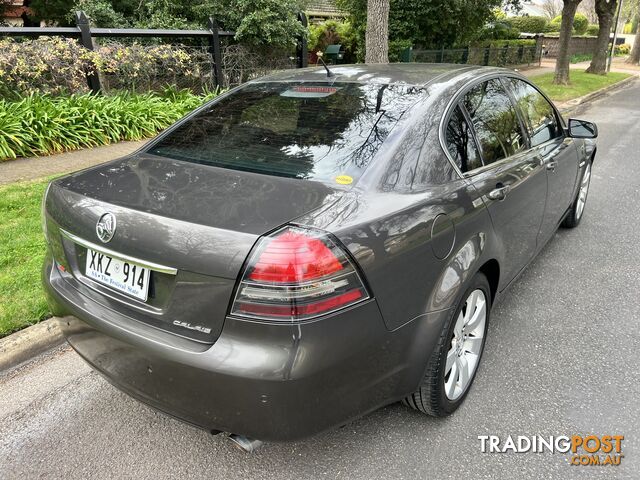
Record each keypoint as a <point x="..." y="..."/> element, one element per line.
<point x="460" y="143"/>
<point x="495" y="121"/>
<point x="539" y="114"/>
<point x="298" y="130"/>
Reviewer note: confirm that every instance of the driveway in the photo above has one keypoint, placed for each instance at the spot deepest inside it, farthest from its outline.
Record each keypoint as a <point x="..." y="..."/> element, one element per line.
<point x="561" y="359"/>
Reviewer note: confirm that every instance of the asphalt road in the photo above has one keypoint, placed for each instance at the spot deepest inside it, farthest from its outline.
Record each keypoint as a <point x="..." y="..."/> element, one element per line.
<point x="561" y="359"/>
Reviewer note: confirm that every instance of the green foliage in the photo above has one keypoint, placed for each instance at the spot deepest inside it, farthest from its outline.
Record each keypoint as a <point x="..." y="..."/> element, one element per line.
<point x="433" y="24"/>
<point x="257" y="22"/>
<point x="52" y="65"/>
<point x="333" y="32"/>
<point x="580" y="24"/>
<point x="262" y="22"/>
<point x="41" y="124"/>
<point x="100" y="13"/>
<point x="22" y="248"/>
<point x="499" y="30"/>
<point x="53" y="11"/>
<point x="580" y="57"/>
<point x="530" y="24"/>
<point x="57" y="66"/>
<point x="581" y="84"/>
<point x="593" y="30"/>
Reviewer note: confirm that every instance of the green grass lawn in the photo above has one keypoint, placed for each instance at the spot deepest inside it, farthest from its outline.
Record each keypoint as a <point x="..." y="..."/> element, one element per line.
<point x="581" y="84"/>
<point x="22" y="249"/>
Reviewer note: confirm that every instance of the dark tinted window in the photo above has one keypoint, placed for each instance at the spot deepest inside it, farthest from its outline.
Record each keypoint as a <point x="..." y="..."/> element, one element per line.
<point x="495" y="121"/>
<point x="540" y="116"/>
<point x="460" y="143"/>
<point x="292" y="129"/>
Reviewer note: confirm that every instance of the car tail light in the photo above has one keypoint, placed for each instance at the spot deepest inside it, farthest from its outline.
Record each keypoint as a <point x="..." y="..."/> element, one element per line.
<point x="296" y="274"/>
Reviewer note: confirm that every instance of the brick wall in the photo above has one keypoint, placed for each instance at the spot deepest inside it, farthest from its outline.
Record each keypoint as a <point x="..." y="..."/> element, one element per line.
<point x="578" y="45"/>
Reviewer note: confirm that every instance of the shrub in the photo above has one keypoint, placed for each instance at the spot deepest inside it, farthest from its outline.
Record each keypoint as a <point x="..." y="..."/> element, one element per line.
<point x="57" y="66"/>
<point x="332" y="32"/>
<point x="42" y="124"/>
<point x="530" y="24"/>
<point x="49" y="65"/>
<point x="581" y="57"/>
<point x="624" y="49"/>
<point x="499" y="30"/>
<point x="580" y="24"/>
<point x="593" y="29"/>
<point x="502" y="53"/>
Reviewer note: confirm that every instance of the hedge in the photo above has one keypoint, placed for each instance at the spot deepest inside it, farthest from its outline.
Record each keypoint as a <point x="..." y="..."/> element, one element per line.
<point x="43" y="124"/>
<point x="530" y="23"/>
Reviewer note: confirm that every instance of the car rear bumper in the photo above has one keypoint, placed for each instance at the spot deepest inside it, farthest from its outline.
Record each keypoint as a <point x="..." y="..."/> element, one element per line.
<point x="266" y="381"/>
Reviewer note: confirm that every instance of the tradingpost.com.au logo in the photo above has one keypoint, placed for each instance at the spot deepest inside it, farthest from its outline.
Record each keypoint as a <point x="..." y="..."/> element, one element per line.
<point x="585" y="450"/>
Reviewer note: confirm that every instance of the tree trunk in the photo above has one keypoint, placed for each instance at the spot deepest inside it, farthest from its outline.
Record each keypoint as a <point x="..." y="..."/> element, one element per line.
<point x="605" y="11"/>
<point x="634" y="57"/>
<point x="377" y="33"/>
<point x="562" y="63"/>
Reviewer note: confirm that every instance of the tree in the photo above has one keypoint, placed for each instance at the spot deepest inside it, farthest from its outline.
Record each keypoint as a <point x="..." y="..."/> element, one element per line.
<point x="605" y="9"/>
<point x="377" y="33"/>
<point x="569" y="8"/>
<point x="634" y="57"/>
<point x="632" y="10"/>
<point x="588" y="9"/>
<point x="427" y="24"/>
<point x="552" y="8"/>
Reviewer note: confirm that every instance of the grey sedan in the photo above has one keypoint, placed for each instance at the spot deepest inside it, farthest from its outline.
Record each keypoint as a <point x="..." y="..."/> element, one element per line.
<point x="313" y="245"/>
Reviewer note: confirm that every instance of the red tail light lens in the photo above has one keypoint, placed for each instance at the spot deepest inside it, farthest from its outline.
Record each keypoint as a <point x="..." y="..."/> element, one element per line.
<point x="297" y="274"/>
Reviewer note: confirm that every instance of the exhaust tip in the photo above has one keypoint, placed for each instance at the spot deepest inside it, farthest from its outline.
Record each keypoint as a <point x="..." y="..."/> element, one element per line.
<point x="247" y="445"/>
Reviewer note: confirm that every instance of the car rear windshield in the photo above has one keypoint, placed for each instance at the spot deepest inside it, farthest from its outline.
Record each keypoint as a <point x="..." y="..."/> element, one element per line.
<point x="326" y="132"/>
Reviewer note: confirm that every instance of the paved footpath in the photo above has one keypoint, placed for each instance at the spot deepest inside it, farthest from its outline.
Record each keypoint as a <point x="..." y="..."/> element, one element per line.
<point x="37" y="167"/>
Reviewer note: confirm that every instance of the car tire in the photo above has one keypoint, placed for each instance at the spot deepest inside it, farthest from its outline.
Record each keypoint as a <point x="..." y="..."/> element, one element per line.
<point x="576" y="212"/>
<point x="435" y="396"/>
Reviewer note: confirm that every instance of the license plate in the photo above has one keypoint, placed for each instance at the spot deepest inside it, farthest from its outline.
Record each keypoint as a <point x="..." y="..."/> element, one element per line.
<point x="118" y="274"/>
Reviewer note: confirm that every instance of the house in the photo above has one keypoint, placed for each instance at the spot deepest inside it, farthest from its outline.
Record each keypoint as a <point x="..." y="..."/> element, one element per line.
<point x="320" y="10"/>
<point x="16" y="13"/>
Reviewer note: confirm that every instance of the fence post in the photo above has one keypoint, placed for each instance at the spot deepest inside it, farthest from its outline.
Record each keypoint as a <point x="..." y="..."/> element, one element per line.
<point x="302" y="51"/>
<point x="215" y="52"/>
<point x="82" y="22"/>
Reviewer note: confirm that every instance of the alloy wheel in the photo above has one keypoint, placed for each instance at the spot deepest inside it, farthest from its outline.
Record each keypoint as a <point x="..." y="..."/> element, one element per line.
<point x="466" y="345"/>
<point x="584" y="189"/>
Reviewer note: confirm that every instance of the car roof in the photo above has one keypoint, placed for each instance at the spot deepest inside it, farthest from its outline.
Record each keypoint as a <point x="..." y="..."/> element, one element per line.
<point x="393" y="73"/>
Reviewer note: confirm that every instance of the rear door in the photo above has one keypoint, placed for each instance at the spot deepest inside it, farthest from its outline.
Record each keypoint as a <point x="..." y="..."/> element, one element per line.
<point x="510" y="180"/>
<point x="552" y="148"/>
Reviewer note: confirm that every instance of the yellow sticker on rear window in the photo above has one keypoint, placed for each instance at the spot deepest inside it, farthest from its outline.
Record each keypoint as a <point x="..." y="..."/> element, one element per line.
<point x="344" y="180"/>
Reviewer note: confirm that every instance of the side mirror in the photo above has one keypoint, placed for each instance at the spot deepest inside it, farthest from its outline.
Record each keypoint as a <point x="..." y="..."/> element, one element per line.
<point x="582" y="129"/>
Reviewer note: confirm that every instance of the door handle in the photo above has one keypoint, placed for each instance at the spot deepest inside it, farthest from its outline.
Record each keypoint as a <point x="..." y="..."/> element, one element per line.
<point x="500" y="192"/>
<point x="552" y="165"/>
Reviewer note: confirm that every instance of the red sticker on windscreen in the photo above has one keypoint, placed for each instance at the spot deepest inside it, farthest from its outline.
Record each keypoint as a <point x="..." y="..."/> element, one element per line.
<point x="315" y="89"/>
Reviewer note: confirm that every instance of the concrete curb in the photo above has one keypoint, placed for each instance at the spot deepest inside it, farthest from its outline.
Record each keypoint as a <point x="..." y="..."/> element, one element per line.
<point x="26" y="344"/>
<point x="572" y="105"/>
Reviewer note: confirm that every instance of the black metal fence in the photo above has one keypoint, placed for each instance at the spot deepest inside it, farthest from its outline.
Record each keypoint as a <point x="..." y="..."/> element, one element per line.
<point x="506" y="56"/>
<point x="214" y="42"/>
